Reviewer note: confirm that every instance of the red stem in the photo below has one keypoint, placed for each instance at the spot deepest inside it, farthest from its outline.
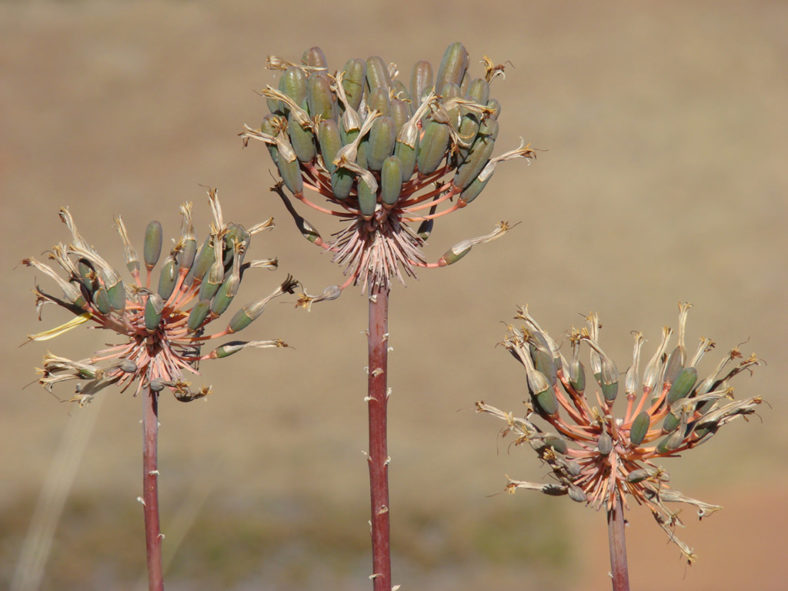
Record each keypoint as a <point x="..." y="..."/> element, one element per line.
<point x="377" y="400"/>
<point x="150" y="488"/>
<point x="618" y="545"/>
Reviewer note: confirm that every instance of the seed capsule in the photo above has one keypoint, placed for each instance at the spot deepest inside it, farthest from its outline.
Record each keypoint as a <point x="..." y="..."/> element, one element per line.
<point x="152" y="248"/>
<point x="202" y="262"/>
<point x="330" y="142"/>
<point x="456" y="252"/>
<point x="198" y="315"/>
<point x="314" y="57"/>
<point x="367" y="200"/>
<point x="638" y="475"/>
<point x="293" y="84"/>
<point x="432" y="148"/>
<point x="378" y="100"/>
<point x="390" y="180"/>
<point x="547" y="402"/>
<point x="453" y="65"/>
<point x="682" y="385"/>
<point x="670" y="424"/>
<point x="421" y="81"/>
<point x="353" y="81"/>
<point x="577" y="376"/>
<point x="291" y="175"/>
<point x="556" y="443"/>
<point x="342" y="182"/>
<point x="673" y="366"/>
<point x="101" y="300"/>
<point x="494" y="108"/>
<point x="167" y="278"/>
<point x="377" y="73"/>
<point x="605" y="443"/>
<point x="303" y="140"/>
<point x="321" y="101"/>
<point x="399" y="112"/>
<point x="116" y="293"/>
<point x="670" y="442"/>
<point x="153" y="310"/>
<point x="479" y="91"/>
<point x="381" y="142"/>
<point x="576" y="494"/>
<point x="187" y="255"/>
<point x="476" y="160"/>
<point x="637" y="433"/>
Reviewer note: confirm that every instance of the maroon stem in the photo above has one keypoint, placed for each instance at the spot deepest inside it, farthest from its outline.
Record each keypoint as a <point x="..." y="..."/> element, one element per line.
<point x="377" y="400"/>
<point x="618" y="545"/>
<point x="150" y="487"/>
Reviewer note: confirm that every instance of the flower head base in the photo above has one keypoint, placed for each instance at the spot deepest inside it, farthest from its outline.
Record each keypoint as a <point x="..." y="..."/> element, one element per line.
<point x="594" y="455"/>
<point x="163" y="327"/>
<point x="383" y="155"/>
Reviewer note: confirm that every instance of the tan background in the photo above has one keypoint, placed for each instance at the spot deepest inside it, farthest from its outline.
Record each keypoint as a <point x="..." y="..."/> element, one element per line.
<point x="662" y="177"/>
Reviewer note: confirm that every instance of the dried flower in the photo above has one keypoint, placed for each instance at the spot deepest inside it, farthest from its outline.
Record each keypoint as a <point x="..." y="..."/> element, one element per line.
<point x="162" y="327"/>
<point x="383" y="155"/>
<point x="594" y="455"/>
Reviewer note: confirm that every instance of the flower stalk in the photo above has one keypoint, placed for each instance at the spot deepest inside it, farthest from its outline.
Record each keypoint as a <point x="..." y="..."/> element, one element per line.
<point x="150" y="488"/>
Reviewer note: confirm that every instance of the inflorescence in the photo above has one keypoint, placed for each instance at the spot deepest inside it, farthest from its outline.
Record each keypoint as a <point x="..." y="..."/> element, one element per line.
<point x="163" y="326"/>
<point x="383" y="155"/>
<point x="593" y="454"/>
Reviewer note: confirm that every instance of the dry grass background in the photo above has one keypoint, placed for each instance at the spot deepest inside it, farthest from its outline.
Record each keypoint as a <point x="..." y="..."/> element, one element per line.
<point x="663" y="176"/>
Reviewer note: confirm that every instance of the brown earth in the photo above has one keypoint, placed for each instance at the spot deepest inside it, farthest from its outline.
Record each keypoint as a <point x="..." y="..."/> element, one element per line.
<point x="661" y="176"/>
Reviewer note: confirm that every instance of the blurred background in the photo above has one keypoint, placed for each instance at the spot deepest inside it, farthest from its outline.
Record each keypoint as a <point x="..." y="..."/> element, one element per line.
<point x="661" y="176"/>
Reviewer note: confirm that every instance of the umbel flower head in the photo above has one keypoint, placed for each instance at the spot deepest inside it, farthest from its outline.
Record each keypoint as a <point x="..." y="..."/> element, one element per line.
<point x="595" y="455"/>
<point x="162" y="326"/>
<point x="384" y="155"/>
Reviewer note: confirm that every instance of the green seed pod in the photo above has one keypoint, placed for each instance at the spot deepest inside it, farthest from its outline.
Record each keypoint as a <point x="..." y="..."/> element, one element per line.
<point x="319" y="97"/>
<point x="546" y="402"/>
<point x="407" y="158"/>
<point x="361" y="153"/>
<point x="167" y="278"/>
<point x="390" y="180"/>
<point x="377" y="73"/>
<point x="330" y="142"/>
<point x="203" y="261"/>
<point x="152" y="248"/>
<point x="349" y="127"/>
<point x="353" y="81"/>
<point x="381" y="142"/>
<point x="556" y="443"/>
<point x="432" y="148"/>
<point x="399" y="112"/>
<point x="456" y="252"/>
<point x="637" y="433"/>
<point x="87" y="275"/>
<point x="153" y="310"/>
<point x="453" y="65"/>
<point x="314" y="57"/>
<point x="670" y="443"/>
<point x="468" y="130"/>
<point x="673" y="366"/>
<point x="246" y="315"/>
<point x="421" y="81"/>
<point x="577" y="376"/>
<point x="367" y="200"/>
<point x="638" y="475"/>
<point x="270" y="125"/>
<point x="576" y="494"/>
<point x="479" y="91"/>
<point x="477" y="159"/>
<point x="303" y="140"/>
<point x="101" y="300"/>
<point x="683" y="384"/>
<point x="670" y="424"/>
<point x="489" y="127"/>
<point x="399" y="91"/>
<point x="293" y="84"/>
<point x="291" y="175"/>
<point x="187" y="255"/>
<point x="474" y="189"/>
<point x="543" y="362"/>
<point x="342" y="183"/>
<point x="213" y="278"/>
<point x="451" y="90"/>
<point x="198" y="315"/>
<point x="605" y="443"/>
<point x="117" y="296"/>
<point x="225" y="294"/>
<point x="495" y="108"/>
<point x="573" y="468"/>
<point x="378" y="100"/>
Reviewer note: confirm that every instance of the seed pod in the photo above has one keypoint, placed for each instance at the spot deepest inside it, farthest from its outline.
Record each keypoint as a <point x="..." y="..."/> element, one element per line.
<point x="399" y="91"/>
<point x="453" y="65"/>
<point x="637" y="433"/>
<point x="468" y="129"/>
<point x="320" y="100"/>
<point x="670" y="424"/>
<point x="390" y="180"/>
<point x="399" y="112"/>
<point x="432" y="148"/>
<point x="350" y="127"/>
<point x="670" y="443"/>
<point x="353" y="81"/>
<point x="381" y="142"/>
<point x="456" y="252"/>
<point x="213" y="278"/>
<point x="378" y="100"/>
<point x="406" y="154"/>
<point x="225" y="294"/>
<point x="421" y="81"/>
<point x="543" y="362"/>
<point x="187" y="255"/>
<point x="303" y="140"/>
<point x="291" y="175"/>
<point x="342" y="182"/>
<point x="474" y="189"/>
<point x="116" y="293"/>
<point x="494" y="108"/>
<point x="546" y="402"/>
<point x="314" y="57"/>
<point x="477" y="159"/>
<point x="554" y="490"/>
<point x="573" y="468"/>
<point x="361" y="153"/>
<point x="605" y="443"/>
<point x="293" y="84"/>
<point x="451" y="90"/>
<point x="367" y="200"/>
<point x="673" y="366"/>
<point x="377" y="73"/>
<point x="682" y="385"/>
<point x="330" y="142"/>
<point x="153" y="310"/>
<point x="198" y="315"/>
<point x="577" y="376"/>
<point x="638" y="475"/>
<point x="576" y="494"/>
<point x="87" y="275"/>
<point x="167" y="278"/>
<point x="156" y="385"/>
<point x="489" y="127"/>
<point x="248" y="314"/>
<point x="556" y="443"/>
<point x="479" y="91"/>
<point x="101" y="300"/>
<point x="152" y="248"/>
<point x="203" y="261"/>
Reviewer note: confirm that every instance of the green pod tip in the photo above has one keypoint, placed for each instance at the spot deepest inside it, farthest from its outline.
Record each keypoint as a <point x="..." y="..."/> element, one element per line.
<point x="152" y="246"/>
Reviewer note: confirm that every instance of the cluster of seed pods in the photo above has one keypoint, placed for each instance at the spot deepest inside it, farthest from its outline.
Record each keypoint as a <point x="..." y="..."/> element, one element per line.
<point x="594" y="454"/>
<point x="163" y="320"/>
<point x="383" y="152"/>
